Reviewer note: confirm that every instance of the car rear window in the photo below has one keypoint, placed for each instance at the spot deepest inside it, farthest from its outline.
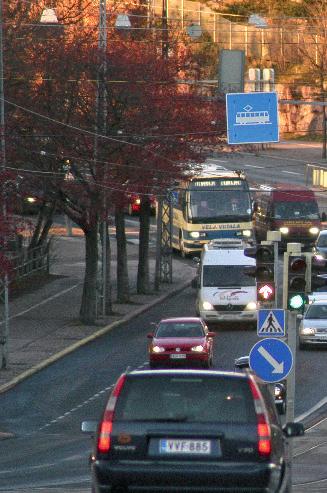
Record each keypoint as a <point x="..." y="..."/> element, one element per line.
<point x="186" y="398"/>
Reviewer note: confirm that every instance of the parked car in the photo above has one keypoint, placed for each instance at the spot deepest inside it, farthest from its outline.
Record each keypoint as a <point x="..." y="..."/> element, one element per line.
<point x="190" y="430"/>
<point x="242" y="363"/>
<point x="313" y="325"/>
<point x="181" y="341"/>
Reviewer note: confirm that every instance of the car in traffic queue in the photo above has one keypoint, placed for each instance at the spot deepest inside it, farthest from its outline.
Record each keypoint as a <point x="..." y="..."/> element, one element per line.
<point x="190" y="430"/>
<point x="243" y="363"/>
<point x="320" y="246"/>
<point x="134" y="204"/>
<point x="181" y="341"/>
<point x="313" y="324"/>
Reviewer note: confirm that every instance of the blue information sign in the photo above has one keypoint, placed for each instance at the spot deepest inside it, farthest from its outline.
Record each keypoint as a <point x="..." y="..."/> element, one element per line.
<point x="271" y="359"/>
<point x="252" y="117"/>
<point x="271" y="323"/>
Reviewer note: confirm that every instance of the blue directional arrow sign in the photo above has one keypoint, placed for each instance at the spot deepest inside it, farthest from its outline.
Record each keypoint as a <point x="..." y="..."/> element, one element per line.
<point x="271" y="359"/>
<point x="271" y="323"/>
<point x="252" y="117"/>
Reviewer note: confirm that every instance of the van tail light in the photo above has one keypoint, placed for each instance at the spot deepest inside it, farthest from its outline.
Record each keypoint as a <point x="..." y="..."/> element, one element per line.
<point x="105" y="428"/>
<point x="263" y="426"/>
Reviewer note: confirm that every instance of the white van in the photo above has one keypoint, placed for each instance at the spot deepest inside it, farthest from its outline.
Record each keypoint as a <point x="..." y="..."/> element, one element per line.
<point x="225" y="292"/>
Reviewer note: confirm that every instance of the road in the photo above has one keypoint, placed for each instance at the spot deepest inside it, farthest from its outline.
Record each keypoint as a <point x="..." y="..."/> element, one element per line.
<point x="48" y="452"/>
<point x="45" y="411"/>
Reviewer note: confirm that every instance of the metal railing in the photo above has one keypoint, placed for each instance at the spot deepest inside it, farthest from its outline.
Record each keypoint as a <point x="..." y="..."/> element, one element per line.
<point x="30" y="261"/>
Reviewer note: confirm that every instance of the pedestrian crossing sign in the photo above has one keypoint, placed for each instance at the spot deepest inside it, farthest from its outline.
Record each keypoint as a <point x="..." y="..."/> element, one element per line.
<point x="271" y="323"/>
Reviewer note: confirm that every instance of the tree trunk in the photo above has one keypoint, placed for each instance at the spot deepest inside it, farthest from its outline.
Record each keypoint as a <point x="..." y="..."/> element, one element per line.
<point x="143" y="278"/>
<point x="88" y="310"/>
<point x="123" y="293"/>
<point x="108" y="305"/>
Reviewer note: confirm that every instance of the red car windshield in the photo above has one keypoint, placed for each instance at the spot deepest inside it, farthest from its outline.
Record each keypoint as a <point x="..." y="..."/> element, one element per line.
<point x="179" y="329"/>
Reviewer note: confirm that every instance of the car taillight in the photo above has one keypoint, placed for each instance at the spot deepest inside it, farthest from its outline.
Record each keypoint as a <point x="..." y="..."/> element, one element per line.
<point x="263" y="427"/>
<point x="105" y="428"/>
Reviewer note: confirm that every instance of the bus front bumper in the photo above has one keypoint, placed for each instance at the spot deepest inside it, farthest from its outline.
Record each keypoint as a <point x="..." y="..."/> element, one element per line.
<point x="225" y="316"/>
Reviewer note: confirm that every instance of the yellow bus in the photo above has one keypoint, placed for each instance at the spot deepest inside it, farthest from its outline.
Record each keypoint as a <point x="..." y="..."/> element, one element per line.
<point x="211" y="206"/>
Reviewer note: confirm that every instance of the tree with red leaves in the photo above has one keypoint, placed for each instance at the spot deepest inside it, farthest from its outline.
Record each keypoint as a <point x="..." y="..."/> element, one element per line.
<point x="156" y="126"/>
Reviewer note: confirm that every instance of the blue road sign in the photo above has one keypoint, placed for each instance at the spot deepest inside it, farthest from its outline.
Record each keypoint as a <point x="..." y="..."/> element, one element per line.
<point x="252" y="117"/>
<point x="271" y="359"/>
<point x="271" y="323"/>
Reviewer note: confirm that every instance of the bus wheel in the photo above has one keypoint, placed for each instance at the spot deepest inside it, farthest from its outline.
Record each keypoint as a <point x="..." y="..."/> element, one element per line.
<point x="181" y="245"/>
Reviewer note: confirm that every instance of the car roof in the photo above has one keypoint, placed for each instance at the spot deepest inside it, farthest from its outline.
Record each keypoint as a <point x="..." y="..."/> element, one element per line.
<point x="323" y="232"/>
<point x="181" y="319"/>
<point x="189" y="371"/>
<point x="319" y="302"/>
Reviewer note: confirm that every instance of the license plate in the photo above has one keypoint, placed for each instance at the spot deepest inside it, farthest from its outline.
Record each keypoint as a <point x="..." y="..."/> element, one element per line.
<point x="178" y="356"/>
<point x="181" y="446"/>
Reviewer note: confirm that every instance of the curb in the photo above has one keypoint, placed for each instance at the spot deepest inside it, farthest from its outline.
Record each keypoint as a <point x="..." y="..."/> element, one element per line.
<point x="86" y="340"/>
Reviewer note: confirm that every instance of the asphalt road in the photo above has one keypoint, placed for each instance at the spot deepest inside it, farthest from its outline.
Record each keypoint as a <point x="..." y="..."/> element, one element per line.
<point x="45" y="411"/>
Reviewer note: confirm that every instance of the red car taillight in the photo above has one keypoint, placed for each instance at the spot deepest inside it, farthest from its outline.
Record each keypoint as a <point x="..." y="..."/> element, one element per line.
<point x="263" y="426"/>
<point x="105" y="427"/>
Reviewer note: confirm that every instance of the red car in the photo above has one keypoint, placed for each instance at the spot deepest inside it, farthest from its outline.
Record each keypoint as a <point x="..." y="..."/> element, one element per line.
<point x="181" y="341"/>
<point x="134" y="204"/>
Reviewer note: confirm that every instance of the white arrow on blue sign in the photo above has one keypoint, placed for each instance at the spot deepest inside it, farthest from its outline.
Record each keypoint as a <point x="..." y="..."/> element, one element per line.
<point x="271" y="359"/>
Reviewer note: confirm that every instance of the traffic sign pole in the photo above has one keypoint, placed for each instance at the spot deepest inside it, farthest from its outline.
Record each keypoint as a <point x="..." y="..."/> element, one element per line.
<point x="290" y="385"/>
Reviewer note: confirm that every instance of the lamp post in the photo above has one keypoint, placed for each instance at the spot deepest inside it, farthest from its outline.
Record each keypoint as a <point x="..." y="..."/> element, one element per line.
<point x="2" y="103"/>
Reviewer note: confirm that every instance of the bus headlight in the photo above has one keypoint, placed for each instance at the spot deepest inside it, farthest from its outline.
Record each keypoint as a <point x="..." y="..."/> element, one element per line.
<point x="284" y="230"/>
<point x="314" y="230"/>
<point x="247" y="233"/>
<point x="206" y="305"/>
<point x="251" y="306"/>
<point x="194" y="234"/>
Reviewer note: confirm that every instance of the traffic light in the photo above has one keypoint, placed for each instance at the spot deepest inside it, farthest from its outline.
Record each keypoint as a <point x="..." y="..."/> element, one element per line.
<point x="263" y="271"/>
<point x="318" y="272"/>
<point x="296" y="281"/>
<point x="266" y="291"/>
<point x="264" y="256"/>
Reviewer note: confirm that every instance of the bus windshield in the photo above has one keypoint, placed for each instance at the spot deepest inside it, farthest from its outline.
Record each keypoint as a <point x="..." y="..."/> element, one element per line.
<point x="210" y="206"/>
<point x="296" y="210"/>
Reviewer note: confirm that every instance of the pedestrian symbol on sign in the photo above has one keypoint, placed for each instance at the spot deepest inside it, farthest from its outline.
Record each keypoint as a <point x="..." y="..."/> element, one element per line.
<point x="271" y="322"/>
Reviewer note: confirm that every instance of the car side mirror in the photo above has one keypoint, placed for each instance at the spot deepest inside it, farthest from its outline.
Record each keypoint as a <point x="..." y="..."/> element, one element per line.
<point x="323" y="216"/>
<point x="211" y="334"/>
<point x="299" y="316"/>
<point x="293" y="429"/>
<point x="89" y="427"/>
<point x="150" y="335"/>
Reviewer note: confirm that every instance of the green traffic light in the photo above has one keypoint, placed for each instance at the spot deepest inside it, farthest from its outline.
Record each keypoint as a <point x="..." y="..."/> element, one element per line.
<point x="297" y="301"/>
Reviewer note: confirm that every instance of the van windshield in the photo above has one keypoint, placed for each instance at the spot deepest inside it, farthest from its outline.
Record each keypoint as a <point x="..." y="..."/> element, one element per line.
<point x="296" y="210"/>
<point x="226" y="276"/>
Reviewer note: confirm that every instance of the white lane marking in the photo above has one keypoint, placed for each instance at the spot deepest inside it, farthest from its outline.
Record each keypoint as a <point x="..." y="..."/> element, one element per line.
<point x="312" y="410"/>
<point x="292" y="173"/>
<point x="253" y="166"/>
<point x="214" y="160"/>
<point x="43" y="302"/>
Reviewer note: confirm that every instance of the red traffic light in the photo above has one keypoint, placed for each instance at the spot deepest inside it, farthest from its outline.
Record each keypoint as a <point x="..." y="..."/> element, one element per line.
<point x="297" y="265"/>
<point x="266" y="291"/>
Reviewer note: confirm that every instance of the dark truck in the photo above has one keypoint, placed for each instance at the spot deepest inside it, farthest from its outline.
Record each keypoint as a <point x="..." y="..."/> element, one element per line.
<point x="290" y="209"/>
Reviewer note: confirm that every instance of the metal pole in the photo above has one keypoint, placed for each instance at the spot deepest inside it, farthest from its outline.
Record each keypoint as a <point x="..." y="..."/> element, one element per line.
<point x="290" y="387"/>
<point x="101" y="113"/>
<point x="5" y="334"/>
<point x="2" y="102"/>
<point x="275" y="243"/>
<point x="164" y="24"/>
